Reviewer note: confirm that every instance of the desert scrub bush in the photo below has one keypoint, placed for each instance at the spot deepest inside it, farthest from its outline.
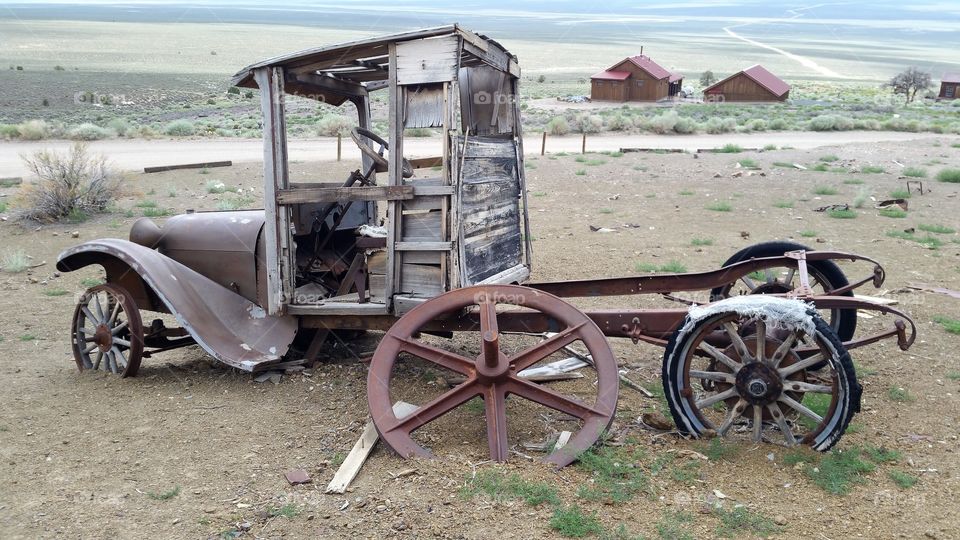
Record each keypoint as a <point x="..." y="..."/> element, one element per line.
<point x="34" y="130"/>
<point x="863" y="195"/>
<point x="893" y="213"/>
<point x="757" y="124"/>
<point x="871" y="169"/>
<point x="664" y="123"/>
<point x="778" y="124"/>
<point x="915" y="172"/>
<point x="619" y="122"/>
<point x="14" y="262"/>
<point x="716" y="126"/>
<point x="558" y="126"/>
<point x="719" y="206"/>
<point x="179" y="128"/>
<point x="730" y="149"/>
<point x="589" y="123"/>
<point x="331" y="126"/>
<point x="89" y="132"/>
<point x="949" y="175"/>
<point x="68" y="184"/>
<point x="121" y="127"/>
<point x="830" y="122"/>
<point x="9" y="131"/>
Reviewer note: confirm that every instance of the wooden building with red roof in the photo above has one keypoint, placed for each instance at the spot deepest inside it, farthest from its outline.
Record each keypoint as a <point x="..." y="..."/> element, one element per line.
<point x="636" y="78"/>
<point x="752" y="84"/>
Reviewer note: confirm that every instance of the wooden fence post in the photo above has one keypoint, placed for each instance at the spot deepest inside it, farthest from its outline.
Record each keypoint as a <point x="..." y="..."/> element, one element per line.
<point x="583" y="144"/>
<point x="339" y="145"/>
<point x="543" y="144"/>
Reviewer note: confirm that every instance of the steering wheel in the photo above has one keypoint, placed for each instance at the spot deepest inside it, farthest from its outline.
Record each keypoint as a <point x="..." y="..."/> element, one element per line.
<point x="377" y="155"/>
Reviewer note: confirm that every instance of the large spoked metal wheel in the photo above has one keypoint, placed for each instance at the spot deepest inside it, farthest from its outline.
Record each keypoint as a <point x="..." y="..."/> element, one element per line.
<point x="825" y="277"/>
<point x="107" y="331"/>
<point x="751" y="378"/>
<point x="493" y="373"/>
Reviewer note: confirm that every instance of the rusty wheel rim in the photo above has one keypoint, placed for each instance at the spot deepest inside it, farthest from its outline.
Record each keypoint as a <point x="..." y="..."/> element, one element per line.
<point x="738" y="390"/>
<point x="492" y="375"/>
<point x="107" y="332"/>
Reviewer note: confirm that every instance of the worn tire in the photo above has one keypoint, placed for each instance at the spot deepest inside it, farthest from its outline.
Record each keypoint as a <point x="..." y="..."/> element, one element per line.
<point x="688" y="422"/>
<point x="845" y="320"/>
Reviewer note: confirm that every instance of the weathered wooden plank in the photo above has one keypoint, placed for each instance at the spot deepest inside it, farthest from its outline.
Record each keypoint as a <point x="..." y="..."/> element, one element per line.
<point x="338" y="308"/>
<point x="420" y="279"/>
<point x="424" y="203"/>
<point x="377" y="262"/>
<point x="275" y="172"/>
<point x="361" y="450"/>
<point x="424" y="107"/>
<point x="205" y="165"/>
<point x="423" y="226"/>
<point x="428" y="60"/>
<point x="424" y="246"/>
<point x="430" y="191"/>
<point x="342" y="194"/>
<point x="422" y="257"/>
<point x="426" y="162"/>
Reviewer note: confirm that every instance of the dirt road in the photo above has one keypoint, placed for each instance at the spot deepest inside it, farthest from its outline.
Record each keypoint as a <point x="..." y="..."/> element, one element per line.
<point x="136" y="154"/>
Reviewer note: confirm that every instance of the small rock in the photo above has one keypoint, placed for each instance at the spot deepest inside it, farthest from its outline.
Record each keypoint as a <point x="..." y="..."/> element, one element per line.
<point x="75" y="234"/>
<point x="657" y="421"/>
<point x="780" y="520"/>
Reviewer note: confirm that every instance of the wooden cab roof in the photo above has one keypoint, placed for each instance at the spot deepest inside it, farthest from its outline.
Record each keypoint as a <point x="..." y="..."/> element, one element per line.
<point x="343" y="71"/>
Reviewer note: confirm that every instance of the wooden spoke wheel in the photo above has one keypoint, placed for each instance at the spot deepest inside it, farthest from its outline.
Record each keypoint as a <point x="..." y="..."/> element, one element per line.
<point x="492" y="375"/>
<point x="754" y="380"/>
<point x="107" y="333"/>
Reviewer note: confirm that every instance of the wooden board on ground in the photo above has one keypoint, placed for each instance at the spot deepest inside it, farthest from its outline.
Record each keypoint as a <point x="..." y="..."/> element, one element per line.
<point x="207" y="165"/>
<point x="361" y="450"/>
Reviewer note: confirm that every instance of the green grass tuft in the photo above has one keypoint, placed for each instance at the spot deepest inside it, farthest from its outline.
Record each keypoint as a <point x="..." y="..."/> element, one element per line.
<point x="783" y="204"/>
<point x="853" y="182"/>
<point x="842" y="214"/>
<point x="749" y="163"/>
<point x="288" y="511"/>
<point x="893" y="213"/>
<point x="686" y="193"/>
<point x="808" y="234"/>
<point x="899" y="194"/>
<point x="829" y="158"/>
<point x="871" y="169"/>
<point x="900" y="394"/>
<point x="720" y="206"/>
<point x="915" y="172"/>
<point x="501" y="487"/>
<point x="825" y="190"/>
<point x="165" y="496"/>
<point x="744" y="522"/>
<point x="839" y="470"/>
<point x="948" y="324"/>
<point x="580" y="172"/>
<point x="15" y="261"/>
<point x="730" y="149"/>
<point x="673" y="526"/>
<point x="937" y="229"/>
<point x="572" y="522"/>
<point x="901" y="479"/>
<point x="949" y="175"/>
<point x="701" y="242"/>
<point x="615" y="478"/>
<point x="55" y="292"/>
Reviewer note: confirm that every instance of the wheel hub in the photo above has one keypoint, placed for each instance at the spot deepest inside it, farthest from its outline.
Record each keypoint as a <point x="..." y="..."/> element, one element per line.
<point x="103" y="338"/>
<point x="759" y="384"/>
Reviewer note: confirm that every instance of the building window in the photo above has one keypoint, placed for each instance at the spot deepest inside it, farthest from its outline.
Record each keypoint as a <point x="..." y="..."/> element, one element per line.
<point x="639" y="83"/>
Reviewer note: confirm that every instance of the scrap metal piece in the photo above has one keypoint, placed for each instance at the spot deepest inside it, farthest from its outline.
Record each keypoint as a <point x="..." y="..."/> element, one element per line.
<point x="492" y="374"/>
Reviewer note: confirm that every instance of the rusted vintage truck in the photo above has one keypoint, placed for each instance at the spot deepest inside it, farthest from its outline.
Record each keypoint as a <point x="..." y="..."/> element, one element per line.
<point x="419" y="248"/>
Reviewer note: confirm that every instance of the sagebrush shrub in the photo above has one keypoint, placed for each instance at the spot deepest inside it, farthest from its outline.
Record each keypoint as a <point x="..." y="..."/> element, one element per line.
<point x="72" y="183"/>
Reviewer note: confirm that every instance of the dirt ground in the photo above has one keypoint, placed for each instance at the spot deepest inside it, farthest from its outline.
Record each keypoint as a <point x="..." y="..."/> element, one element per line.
<point x="191" y="449"/>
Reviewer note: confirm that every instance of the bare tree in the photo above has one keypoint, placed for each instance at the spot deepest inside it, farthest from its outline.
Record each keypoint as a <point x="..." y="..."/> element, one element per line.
<point x="910" y="82"/>
<point x="707" y="78"/>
